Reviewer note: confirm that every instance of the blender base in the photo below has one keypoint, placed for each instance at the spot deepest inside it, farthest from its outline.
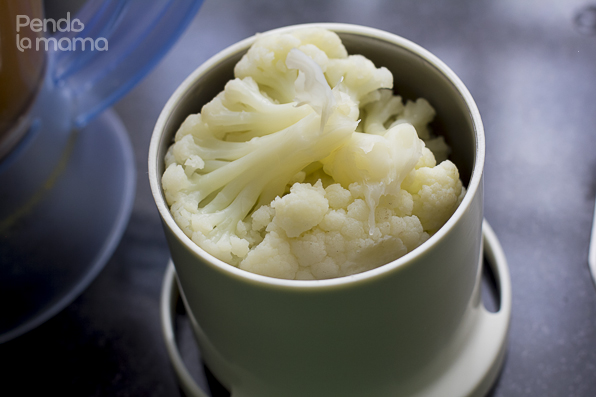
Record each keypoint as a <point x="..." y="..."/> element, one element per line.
<point x="56" y="243"/>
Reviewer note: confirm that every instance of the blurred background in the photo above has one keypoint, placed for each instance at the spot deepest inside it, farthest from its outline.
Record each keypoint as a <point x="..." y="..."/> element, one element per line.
<point x="531" y="67"/>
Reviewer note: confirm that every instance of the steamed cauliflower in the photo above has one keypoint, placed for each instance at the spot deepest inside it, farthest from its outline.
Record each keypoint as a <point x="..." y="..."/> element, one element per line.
<point x="307" y="166"/>
<point x="331" y="236"/>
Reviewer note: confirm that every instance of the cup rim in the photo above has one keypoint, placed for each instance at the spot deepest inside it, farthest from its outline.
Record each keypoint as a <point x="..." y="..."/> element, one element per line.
<point x="246" y="276"/>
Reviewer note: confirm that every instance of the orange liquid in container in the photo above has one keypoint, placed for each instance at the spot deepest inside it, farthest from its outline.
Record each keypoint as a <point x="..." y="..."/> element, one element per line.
<point x="21" y="72"/>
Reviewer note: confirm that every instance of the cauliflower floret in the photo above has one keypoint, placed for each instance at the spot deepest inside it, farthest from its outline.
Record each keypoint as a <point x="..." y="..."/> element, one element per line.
<point x="436" y="193"/>
<point x="359" y="77"/>
<point x="400" y="202"/>
<point x="379" y="163"/>
<point x="265" y="61"/>
<point x="272" y="258"/>
<point x="337" y="196"/>
<point x="300" y="210"/>
<point x="325" y="40"/>
<point x="438" y="147"/>
<point x="332" y="242"/>
<point x="389" y="111"/>
<point x="262" y="217"/>
<point x="241" y="112"/>
<point x="174" y="182"/>
<point x="380" y="111"/>
<point x="427" y="159"/>
<point x="235" y="162"/>
<point x="310" y="250"/>
<point x="419" y="114"/>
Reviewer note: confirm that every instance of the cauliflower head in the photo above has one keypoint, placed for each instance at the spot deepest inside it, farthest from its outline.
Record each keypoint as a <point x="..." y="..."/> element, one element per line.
<point x="307" y="166"/>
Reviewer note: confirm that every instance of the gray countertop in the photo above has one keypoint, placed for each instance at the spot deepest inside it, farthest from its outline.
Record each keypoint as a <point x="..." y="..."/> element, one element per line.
<point x="531" y="67"/>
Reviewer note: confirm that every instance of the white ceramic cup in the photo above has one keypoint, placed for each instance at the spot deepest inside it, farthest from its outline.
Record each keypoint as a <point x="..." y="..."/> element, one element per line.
<point x="378" y="333"/>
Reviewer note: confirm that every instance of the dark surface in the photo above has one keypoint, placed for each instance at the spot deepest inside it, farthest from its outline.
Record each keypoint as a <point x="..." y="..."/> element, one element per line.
<point x="531" y="67"/>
